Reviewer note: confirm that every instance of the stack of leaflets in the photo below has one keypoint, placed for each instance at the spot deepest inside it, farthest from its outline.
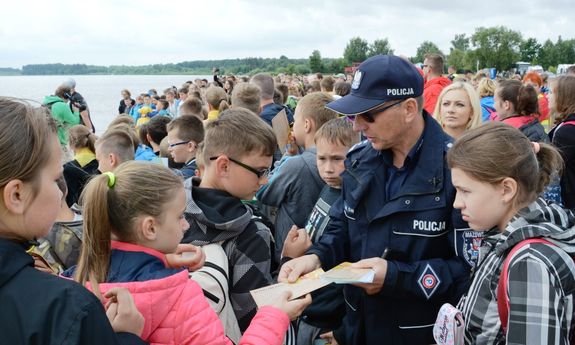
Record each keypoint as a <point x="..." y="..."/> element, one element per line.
<point x="301" y="287"/>
<point x="344" y="274"/>
<point x="341" y="274"/>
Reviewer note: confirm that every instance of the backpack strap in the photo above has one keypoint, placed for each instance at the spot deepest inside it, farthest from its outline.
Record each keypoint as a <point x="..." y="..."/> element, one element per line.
<point x="502" y="298"/>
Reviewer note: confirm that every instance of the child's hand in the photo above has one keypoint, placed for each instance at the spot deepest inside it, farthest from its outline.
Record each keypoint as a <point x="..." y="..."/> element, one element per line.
<point x="296" y="243"/>
<point x="292" y="308"/>
<point x="122" y="312"/>
<point x="41" y="264"/>
<point x="187" y="255"/>
<point x="329" y="338"/>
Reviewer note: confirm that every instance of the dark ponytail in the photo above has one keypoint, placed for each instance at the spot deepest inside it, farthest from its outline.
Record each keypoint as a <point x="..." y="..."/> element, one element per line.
<point x="527" y="102"/>
<point x="550" y="164"/>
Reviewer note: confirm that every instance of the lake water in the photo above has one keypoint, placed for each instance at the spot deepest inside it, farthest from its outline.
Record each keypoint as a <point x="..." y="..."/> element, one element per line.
<point x="102" y="92"/>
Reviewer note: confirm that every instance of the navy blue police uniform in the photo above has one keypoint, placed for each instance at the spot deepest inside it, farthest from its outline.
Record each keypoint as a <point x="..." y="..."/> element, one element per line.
<point x="406" y="212"/>
<point x="430" y="248"/>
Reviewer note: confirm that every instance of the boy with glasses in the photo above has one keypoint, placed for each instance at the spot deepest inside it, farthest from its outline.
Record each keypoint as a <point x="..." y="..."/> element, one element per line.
<point x="237" y="154"/>
<point x="185" y="133"/>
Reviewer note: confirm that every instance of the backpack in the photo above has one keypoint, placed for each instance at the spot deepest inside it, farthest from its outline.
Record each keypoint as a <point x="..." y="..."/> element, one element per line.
<point x="60" y="249"/>
<point x="214" y="280"/>
<point x="502" y="298"/>
<point x="570" y="122"/>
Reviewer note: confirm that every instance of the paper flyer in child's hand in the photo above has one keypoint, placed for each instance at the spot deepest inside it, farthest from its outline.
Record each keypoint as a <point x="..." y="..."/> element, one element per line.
<point x="304" y="285"/>
<point x="344" y="274"/>
<point x="280" y="126"/>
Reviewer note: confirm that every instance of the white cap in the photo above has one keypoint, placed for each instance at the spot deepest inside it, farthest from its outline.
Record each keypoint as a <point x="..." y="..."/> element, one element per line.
<point x="69" y="83"/>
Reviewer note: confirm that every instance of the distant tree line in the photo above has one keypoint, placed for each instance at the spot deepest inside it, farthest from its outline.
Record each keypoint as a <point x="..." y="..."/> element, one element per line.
<point x="498" y="47"/>
<point x="228" y="66"/>
<point x="234" y="66"/>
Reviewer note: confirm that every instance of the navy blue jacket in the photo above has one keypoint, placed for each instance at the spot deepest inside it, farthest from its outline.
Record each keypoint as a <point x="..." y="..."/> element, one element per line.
<point x="420" y="229"/>
<point x="39" y="308"/>
<point x="269" y="111"/>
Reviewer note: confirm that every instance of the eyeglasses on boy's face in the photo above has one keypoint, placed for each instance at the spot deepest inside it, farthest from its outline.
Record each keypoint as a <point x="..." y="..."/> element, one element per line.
<point x="178" y="143"/>
<point x="260" y="173"/>
<point x="369" y="116"/>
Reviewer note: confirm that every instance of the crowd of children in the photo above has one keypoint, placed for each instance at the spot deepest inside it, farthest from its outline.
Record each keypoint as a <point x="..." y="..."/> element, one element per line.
<point x="430" y="181"/>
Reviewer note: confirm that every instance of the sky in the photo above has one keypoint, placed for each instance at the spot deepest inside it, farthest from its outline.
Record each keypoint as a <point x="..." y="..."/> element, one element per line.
<point x="130" y="32"/>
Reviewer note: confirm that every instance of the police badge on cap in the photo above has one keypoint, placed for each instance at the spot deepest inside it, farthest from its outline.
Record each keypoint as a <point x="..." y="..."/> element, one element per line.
<point x="356" y="80"/>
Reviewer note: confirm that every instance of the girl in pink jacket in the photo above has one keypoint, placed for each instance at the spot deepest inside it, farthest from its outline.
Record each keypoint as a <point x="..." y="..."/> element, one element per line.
<point x="132" y="218"/>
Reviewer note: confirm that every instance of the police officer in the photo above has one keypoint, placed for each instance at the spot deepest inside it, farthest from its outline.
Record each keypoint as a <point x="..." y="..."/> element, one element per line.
<point x="395" y="214"/>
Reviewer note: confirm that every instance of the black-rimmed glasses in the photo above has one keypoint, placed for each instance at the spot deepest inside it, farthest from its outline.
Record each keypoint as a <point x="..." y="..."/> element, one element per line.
<point x="261" y="173"/>
<point x="178" y="143"/>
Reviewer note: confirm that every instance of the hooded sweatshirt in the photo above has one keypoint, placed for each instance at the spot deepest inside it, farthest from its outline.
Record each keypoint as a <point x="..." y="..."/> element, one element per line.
<point x="431" y="91"/>
<point x="64" y="117"/>
<point x="541" y="280"/>
<point x="215" y="216"/>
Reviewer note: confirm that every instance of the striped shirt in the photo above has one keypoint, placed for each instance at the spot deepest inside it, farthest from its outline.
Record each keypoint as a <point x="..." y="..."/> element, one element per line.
<point x="541" y="281"/>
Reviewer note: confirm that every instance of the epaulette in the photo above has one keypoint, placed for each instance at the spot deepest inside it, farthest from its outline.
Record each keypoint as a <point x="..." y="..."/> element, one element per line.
<point x="357" y="147"/>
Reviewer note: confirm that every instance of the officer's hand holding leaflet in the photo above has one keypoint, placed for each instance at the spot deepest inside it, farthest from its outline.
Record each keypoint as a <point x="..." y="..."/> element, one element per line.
<point x="293" y="269"/>
<point x="379" y="266"/>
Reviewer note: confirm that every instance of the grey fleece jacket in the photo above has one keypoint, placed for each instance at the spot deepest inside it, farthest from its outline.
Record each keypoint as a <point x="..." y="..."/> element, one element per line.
<point x="294" y="189"/>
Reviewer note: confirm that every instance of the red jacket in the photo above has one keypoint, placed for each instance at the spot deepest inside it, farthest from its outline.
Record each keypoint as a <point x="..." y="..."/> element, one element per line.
<point x="431" y="91"/>
<point x="543" y="107"/>
<point x="176" y="311"/>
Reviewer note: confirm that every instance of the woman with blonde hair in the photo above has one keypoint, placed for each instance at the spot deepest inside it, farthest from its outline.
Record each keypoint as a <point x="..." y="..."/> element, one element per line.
<point x="458" y="109"/>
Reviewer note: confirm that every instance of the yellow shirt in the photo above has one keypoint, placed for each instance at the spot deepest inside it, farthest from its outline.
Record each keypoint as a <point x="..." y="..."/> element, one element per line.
<point x="212" y="115"/>
<point x="84" y="156"/>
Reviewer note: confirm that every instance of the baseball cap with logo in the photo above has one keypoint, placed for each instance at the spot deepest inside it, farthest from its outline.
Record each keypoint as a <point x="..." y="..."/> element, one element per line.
<point x="379" y="79"/>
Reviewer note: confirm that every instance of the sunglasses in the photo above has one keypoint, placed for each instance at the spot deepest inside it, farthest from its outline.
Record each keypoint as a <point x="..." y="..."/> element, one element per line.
<point x="261" y="173"/>
<point x="369" y="116"/>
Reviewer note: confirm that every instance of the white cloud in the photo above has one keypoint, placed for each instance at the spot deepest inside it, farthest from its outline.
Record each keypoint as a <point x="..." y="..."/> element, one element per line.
<point x="134" y="32"/>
